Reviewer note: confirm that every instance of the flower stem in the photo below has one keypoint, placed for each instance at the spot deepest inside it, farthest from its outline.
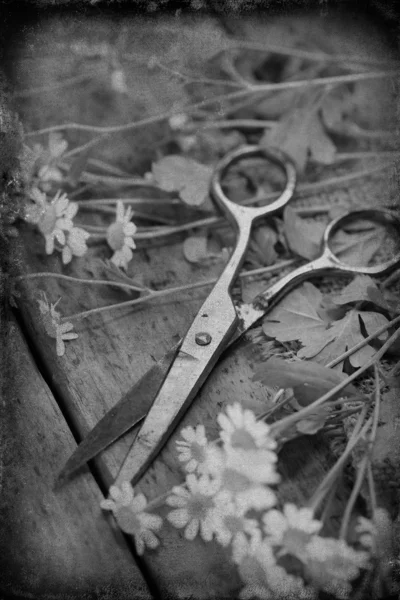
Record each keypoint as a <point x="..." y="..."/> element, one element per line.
<point x="366" y="461"/>
<point x="183" y="288"/>
<point x="279" y="426"/>
<point x="331" y="476"/>
<point x="256" y="89"/>
<point x="85" y="281"/>
<point x="353" y="497"/>
<point x="363" y="343"/>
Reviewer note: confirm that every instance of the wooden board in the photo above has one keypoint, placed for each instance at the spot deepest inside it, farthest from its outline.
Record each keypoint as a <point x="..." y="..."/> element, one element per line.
<point x="115" y="348"/>
<point x="52" y="543"/>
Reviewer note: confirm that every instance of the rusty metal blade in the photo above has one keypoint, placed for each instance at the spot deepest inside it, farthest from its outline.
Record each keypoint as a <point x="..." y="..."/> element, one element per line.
<point x="127" y="413"/>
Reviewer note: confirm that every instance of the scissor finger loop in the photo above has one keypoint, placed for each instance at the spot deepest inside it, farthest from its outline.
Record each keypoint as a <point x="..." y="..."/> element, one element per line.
<point x="376" y="215"/>
<point x="238" y="211"/>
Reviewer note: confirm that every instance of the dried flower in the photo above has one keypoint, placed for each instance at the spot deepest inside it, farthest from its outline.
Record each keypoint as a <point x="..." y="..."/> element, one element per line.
<point x="131" y="517"/>
<point x="332" y="565"/>
<point x="244" y="474"/>
<point x="51" y="320"/>
<point x="194" y="507"/>
<point x="262" y="577"/>
<point x="120" y="236"/>
<point x="56" y="217"/>
<point x="75" y="244"/>
<point x="240" y="429"/>
<point x="291" y="529"/>
<point x="229" y="521"/>
<point x="192" y="449"/>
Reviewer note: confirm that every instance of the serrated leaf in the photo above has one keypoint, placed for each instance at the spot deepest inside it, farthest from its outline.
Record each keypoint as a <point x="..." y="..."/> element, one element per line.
<point x="355" y="291"/>
<point x="303" y="238"/>
<point x="343" y="335"/>
<point x="300" y="132"/>
<point x="262" y="248"/>
<point x="329" y="311"/>
<point x="385" y="299"/>
<point x="296" y="316"/>
<point x="308" y="380"/>
<point x="191" y="179"/>
<point x="359" y="248"/>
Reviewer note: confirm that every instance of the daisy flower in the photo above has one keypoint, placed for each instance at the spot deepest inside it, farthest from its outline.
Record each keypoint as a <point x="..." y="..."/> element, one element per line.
<point x="51" y="320"/>
<point x="56" y="217"/>
<point x="75" y="244"/>
<point x="130" y="514"/>
<point x="230" y="523"/>
<point x="194" y="507"/>
<point x="192" y="449"/>
<point x="332" y="564"/>
<point x="291" y="529"/>
<point x="120" y="236"/>
<point x="240" y="429"/>
<point x="245" y="475"/>
<point x="262" y="577"/>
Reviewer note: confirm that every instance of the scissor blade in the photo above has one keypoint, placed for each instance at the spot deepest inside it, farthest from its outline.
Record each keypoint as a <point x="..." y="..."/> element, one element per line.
<point x="178" y="390"/>
<point x="127" y="413"/>
<point x="208" y="336"/>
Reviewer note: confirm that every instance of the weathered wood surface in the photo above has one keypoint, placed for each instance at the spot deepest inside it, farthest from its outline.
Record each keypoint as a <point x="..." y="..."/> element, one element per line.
<point x="114" y="349"/>
<point x="51" y="543"/>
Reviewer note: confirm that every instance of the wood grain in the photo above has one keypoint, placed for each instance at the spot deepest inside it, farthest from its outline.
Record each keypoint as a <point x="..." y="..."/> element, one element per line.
<point x="115" y="348"/>
<point x="52" y="543"/>
<point x="112" y="351"/>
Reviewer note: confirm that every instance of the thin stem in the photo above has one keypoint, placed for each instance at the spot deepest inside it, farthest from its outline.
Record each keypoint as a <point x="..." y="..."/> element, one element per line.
<point x="78" y="279"/>
<point x="312" y="55"/>
<point x="391" y="279"/>
<point x="191" y="79"/>
<point x="49" y="88"/>
<point x="228" y="124"/>
<point x="291" y="419"/>
<point x="183" y="288"/>
<point x="253" y="89"/>
<point x="330" y="477"/>
<point x="113" y="201"/>
<point x="371" y="488"/>
<point x="353" y="497"/>
<point x="363" y="343"/>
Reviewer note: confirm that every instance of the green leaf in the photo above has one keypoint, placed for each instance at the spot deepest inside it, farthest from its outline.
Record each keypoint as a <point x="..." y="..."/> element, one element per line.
<point x="356" y="291"/>
<point x="308" y="380"/>
<point x="300" y="133"/>
<point x="343" y="335"/>
<point x="303" y="238"/>
<point x="296" y="316"/>
<point x="191" y="179"/>
<point x="262" y="248"/>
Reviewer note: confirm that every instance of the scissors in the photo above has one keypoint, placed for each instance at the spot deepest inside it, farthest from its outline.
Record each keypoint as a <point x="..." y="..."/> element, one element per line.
<point x="164" y="393"/>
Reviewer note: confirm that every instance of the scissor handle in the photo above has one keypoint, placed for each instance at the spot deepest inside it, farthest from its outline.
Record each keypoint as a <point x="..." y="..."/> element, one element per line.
<point x="381" y="215"/>
<point x="235" y="211"/>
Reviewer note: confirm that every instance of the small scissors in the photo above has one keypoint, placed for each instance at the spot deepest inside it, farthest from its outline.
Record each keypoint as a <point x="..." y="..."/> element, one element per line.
<point x="216" y="326"/>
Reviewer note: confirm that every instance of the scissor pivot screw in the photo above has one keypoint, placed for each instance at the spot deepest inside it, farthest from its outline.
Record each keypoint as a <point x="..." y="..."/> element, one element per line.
<point x="203" y="338"/>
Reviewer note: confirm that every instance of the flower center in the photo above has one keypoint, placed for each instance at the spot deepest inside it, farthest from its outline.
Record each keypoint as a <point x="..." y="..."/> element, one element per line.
<point x="127" y="520"/>
<point x="48" y="222"/>
<point x="234" y="482"/>
<point x="241" y="438"/>
<point x="198" y="452"/>
<point x="50" y="326"/>
<point x="251" y="571"/>
<point x="198" y="506"/>
<point x="233" y="524"/>
<point x="116" y="236"/>
<point x="294" y="541"/>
